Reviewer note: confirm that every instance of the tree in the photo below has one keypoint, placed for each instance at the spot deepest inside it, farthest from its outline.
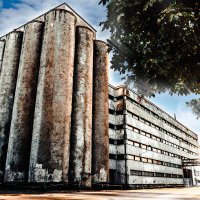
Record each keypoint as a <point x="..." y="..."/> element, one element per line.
<point x="156" y="44"/>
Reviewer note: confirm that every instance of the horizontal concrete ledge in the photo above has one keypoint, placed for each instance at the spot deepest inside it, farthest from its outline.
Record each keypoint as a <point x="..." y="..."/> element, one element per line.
<point x="101" y="41"/>
<point x="60" y="10"/>
<point x="85" y="27"/>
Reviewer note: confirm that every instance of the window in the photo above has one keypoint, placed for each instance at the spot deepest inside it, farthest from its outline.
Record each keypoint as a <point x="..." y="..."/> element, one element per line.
<point x="165" y="164"/>
<point x="142" y="120"/>
<point x="149" y="148"/>
<point x="174" y="176"/>
<point x="155" y="162"/>
<point x="135" y="116"/>
<point x="160" y="162"/>
<point x="112" y="156"/>
<point x="164" y="152"/>
<point x="153" y="137"/>
<point x="147" y="174"/>
<point x="148" y="135"/>
<point x="159" y="174"/>
<point x="135" y="173"/>
<point x="150" y="160"/>
<point x="137" y="158"/>
<point x="153" y="149"/>
<point x="170" y="165"/>
<point x="119" y="142"/>
<point x="144" y="159"/>
<point x="129" y="142"/>
<point x="168" y="175"/>
<point x="159" y="151"/>
<point x="148" y="123"/>
<point x="136" y="130"/>
<point x="158" y="139"/>
<point x="142" y="133"/>
<point x="136" y="144"/>
<point x="130" y="157"/>
<point x="120" y="157"/>
<point x="143" y="146"/>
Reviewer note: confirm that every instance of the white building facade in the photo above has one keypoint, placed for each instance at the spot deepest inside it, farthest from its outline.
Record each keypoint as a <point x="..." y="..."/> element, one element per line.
<point x="147" y="145"/>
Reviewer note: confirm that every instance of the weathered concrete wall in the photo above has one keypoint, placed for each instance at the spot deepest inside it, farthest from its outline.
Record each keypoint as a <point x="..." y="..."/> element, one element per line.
<point x="81" y="151"/>
<point x="81" y="137"/>
<point x="2" y="46"/>
<point x="144" y="127"/>
<point x="7" y="90"/>
<point x="23" y="111"/>
<point x="49" y="161"/>
<point x="100" y="139"/>
<point x="149" y="146"/>
<point x="147" y="116"/>
<point x="154" y="180"/>
<point x="140" y="166"/>
<point x="118" y="174"/>
<point x="144" y="102"/>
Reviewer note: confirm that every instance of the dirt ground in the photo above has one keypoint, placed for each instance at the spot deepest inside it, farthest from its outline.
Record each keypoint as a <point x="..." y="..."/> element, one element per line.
<point x="144" y="194"/>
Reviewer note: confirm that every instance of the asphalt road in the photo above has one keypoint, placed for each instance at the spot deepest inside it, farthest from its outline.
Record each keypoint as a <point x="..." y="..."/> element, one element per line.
<point x="164" y="194"/>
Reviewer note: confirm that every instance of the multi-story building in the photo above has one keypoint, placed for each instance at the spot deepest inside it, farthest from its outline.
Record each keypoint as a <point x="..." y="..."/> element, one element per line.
<point x="53" y="89"/>
<point x="146" y="144"/>
<point x="55" y="125"/>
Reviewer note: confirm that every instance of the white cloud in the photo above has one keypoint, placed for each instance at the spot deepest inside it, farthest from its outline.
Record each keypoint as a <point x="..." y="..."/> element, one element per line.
<point x="20" y="13"/>
<point x="27" y="10"/>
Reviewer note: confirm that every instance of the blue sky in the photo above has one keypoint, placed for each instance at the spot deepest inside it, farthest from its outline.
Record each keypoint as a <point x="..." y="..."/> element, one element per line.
<point x="14" y="13"/>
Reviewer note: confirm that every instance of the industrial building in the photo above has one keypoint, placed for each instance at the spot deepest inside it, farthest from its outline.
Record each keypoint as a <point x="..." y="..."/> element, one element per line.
<point x="61" y="122"/>
<point x="147" y="145"/>
<point x="54" y="102"/>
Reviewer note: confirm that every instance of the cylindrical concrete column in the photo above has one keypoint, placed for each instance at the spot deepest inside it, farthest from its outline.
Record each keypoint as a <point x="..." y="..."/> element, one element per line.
<point x="18" y="154"/>
<point x="100" y="138"/>
<point x="8" y="80"/>
<point x="49" y="161"/>
<point x="2" y="45"/>
<point x="81" y="134"/>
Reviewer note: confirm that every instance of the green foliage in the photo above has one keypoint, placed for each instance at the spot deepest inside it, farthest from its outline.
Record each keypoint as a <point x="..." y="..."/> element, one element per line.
<point x="156" y="44"/>
<point x="195" y="105"/>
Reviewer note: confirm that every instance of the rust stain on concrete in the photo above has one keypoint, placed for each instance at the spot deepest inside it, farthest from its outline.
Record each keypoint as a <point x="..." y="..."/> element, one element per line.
<point x="2" y="46"/>
<point x="100" y="149"/>
<point x="8" y="80"/>
<point x="52" y="122"/>
<point x="81" y="134"/>
<point x="23" y="111"/>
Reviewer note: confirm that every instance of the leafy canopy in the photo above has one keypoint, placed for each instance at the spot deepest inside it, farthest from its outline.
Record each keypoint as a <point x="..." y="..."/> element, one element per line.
<point x="156" y="44"/>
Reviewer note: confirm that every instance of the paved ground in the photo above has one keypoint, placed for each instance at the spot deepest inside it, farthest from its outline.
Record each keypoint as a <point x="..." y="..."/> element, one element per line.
<point x="163" y="194"/>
